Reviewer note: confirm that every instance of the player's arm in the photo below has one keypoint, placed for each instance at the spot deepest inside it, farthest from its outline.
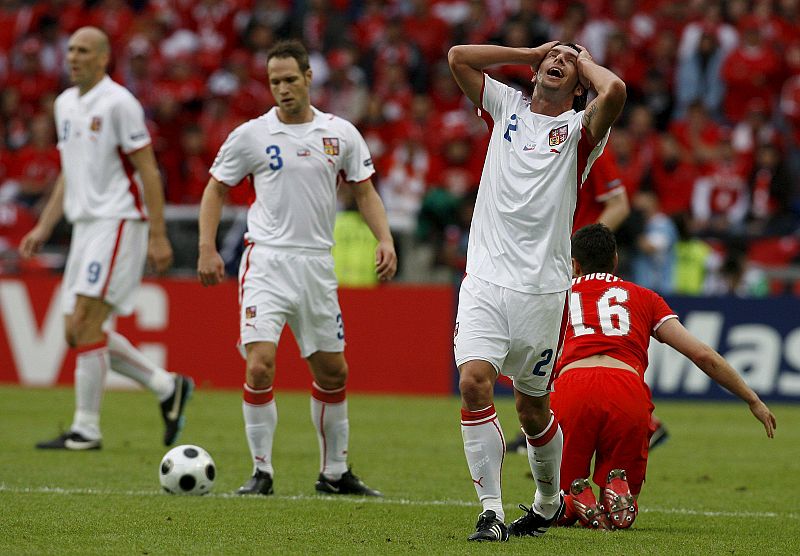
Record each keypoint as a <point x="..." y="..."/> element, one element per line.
<point x="467" y="62"/>
<point x="53" y="210"/>
<point x="210" y="266"/>
<point x="611" y="95"/>
<point x="615" y="210"/>
<point x="674" y="334"/>
<point x="159" y="250"/>
<point x="371" y="208"/>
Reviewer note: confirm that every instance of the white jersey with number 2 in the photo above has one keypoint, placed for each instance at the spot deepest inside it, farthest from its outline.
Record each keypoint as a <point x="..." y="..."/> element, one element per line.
<point x="535" y="164"/>
<point x="295" y="170"/>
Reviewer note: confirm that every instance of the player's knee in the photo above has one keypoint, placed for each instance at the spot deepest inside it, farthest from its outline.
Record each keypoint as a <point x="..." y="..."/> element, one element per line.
<point x="332" y="377"/>
<point x="476" y="391"/>
<point x="533" y="419"/>
<point x="260" y="372"/>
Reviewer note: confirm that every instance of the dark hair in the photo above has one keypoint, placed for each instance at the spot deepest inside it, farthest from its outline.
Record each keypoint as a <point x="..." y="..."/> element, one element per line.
<point x="594" y="247"/>
<point x="579" y="102"/>
<point x="291" y="48"/>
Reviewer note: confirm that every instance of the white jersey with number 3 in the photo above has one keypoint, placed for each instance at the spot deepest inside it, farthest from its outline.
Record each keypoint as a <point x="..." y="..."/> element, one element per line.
<point x="96" y="132"/>
<point x="295" y="170"/>
<point x="535" y="164"/>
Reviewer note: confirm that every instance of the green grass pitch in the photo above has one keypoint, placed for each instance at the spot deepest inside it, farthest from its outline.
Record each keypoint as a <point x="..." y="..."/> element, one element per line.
<point x="718" y="486"/>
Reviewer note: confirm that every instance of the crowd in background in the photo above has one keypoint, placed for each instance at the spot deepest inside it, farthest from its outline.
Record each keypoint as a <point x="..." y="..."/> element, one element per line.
<point x="708" y="146"/>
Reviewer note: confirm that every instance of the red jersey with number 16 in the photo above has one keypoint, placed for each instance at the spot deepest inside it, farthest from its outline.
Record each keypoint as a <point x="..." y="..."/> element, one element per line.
<point x="610" y="316"/>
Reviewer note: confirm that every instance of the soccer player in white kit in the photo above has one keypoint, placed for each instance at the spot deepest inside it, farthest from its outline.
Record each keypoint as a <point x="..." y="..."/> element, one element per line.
<point x="512" y="305"/>
<point x="295" y="156"/>
<point x="101" y="134"/>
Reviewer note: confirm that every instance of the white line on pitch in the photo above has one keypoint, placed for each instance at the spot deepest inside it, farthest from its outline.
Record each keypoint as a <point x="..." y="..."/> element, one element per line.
<point x="360" y="500"/>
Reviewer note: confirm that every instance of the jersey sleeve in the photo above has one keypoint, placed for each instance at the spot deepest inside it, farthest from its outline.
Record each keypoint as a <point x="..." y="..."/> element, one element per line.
<point x="495" y="96"/>
<point x="357" y="164"/>
<point x="130" y="125"/>
<point x="661" y="312"/>
<point x="231" y="164"/>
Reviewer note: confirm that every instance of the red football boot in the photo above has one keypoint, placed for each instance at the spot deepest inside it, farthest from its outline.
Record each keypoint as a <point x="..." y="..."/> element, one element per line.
<point x="585" y="505"/>
<point x="618" y="503"/>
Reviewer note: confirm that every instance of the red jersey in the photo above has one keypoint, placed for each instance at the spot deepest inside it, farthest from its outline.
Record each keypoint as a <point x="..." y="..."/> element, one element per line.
<point x="602" y="184"/>
<point x="613" y="317"/>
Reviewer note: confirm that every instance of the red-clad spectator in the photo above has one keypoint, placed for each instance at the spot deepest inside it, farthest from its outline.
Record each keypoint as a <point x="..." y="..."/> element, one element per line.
<point x="394" y="49"/>
<point x="444" y="92"/>
<point x="429" y="32"/>
<point x="478" y="27"/>
<point x="750" y="71"/>
<point x="630" y="168"/>
<point x="17" y="19"/>
<point x="790" y="107"/>
<point x="138" y="69"/>
<point x="70" y="14"/>
<point x="193" y="170"/>
<point x="116" y="18"/>
<point x="772" y="191"/>
<point x="457" y="170"/>
<point x="181" y="81"/>
<point x="370" y="25"/>
<point x="37" y="164"/>
<point x="530" y="15"/>
<point x="626" y="61"/>
<point x="394" y="91"/>
<point x="697" y="133"/>
<point x="720" y="198"/>
<point x="603" y="197"/>
<point x="644" y="137"/>
<point x="377" y="132"/>
<point x="14" y="117"/>
<point x="322" y="26"/>
<point x="753" y="131"/>
<point x="345" y="93"/>
<point x="28" y="78"/>
<point x="672" y="177"/>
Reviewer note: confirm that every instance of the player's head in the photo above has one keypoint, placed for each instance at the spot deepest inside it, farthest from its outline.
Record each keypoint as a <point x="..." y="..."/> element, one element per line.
<point x="594" y="249"/>
<point x="88" y="54"/>
<point x="559" y="71"/>
<point x="289" y="76"/>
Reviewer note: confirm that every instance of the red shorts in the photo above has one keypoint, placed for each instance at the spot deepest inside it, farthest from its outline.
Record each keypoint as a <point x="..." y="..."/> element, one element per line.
<point x="603" y="412"/>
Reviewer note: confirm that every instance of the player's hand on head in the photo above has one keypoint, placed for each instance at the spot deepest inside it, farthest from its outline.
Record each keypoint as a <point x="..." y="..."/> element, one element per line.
<point x="159" y="254"/>
<point x="763" y="414"/>
<point x="210" y="268"/>
<point x="385" y="260"/>
<point x="538" y="53"/>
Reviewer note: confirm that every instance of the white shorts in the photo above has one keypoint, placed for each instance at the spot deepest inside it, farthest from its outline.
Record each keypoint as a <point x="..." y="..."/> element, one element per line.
<point x="280" y="286"/>
<point x="520" y="334"/>
<point x="106" y="261"/>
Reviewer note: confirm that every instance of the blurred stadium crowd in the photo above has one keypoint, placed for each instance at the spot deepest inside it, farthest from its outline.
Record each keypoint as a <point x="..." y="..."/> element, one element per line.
<point x="708" y="147"/>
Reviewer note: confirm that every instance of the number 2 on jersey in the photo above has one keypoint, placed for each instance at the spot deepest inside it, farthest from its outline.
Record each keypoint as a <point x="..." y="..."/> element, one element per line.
<point x="546" y="356"/>
<point x="614" y="317"/>
<point x="276" y="162"/>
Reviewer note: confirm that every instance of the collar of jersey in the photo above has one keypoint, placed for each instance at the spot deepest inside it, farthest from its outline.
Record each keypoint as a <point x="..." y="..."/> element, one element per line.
<point x="95" y="91"/>
<point x="277" y="126"/>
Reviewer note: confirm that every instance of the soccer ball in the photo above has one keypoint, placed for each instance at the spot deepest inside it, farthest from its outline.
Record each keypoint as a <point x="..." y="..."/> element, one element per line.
<point x="187" y="469"/>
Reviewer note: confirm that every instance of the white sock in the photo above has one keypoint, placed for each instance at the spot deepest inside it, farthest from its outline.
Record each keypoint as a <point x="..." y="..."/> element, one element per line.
<point x="329" y="414"/>
<point x="260" y="419"/>
<point x="130" y="362"/>
<point x="485" y="448"/>
<point x="91" y="367"/>
<point x="544" y="457"/>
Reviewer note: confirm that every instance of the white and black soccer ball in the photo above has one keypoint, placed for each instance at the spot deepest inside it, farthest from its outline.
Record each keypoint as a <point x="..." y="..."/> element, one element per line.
<point x="187" y="469"/>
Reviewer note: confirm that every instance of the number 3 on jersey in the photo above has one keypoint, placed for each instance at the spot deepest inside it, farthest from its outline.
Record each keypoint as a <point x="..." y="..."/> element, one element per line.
<point x="275" y="160"/>
<point x="614" y="317"/>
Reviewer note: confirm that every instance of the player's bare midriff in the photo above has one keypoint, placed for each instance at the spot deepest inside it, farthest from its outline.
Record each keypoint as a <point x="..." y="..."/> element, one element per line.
<point x="601" y="360"/>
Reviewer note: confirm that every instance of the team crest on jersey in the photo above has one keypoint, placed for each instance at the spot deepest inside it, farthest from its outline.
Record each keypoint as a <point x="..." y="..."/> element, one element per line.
<point x="250" y="312"/>
<point x="558" y="135"/>
<point x="97" y="123"/>
<point x="331" y="145"/>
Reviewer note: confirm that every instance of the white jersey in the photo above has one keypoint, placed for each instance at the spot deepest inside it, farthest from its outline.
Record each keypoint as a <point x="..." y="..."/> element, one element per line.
<point x="95" y="133"/>
<point x="295" y="170"/>
<point x="535" y="164"/>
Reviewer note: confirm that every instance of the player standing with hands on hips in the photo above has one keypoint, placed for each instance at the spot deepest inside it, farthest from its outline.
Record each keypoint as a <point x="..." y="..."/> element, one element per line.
<point x="296" y="155"/>
<point x="512" y="305"/>
<point x="101" y="129"/>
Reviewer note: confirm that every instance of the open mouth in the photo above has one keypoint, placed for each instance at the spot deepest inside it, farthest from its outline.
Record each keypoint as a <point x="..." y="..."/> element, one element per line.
<point x="555" y="72"/>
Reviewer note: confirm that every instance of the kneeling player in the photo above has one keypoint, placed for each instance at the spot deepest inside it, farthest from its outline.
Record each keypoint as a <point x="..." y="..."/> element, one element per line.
<point x="600" y="397"/>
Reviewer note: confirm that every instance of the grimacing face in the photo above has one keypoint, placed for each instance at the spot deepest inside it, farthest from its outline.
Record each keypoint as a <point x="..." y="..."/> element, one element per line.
<point x="289" y="86"/>
<point x="559" y="69"/>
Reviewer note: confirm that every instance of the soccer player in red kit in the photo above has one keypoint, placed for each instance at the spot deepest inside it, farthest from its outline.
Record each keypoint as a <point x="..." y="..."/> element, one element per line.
<point x="599" y="395"/>
<point x="603" y="197"/>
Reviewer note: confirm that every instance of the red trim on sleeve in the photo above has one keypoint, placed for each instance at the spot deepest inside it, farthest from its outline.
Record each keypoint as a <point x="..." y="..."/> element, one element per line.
<point x="482" y="113"/>
<point x="132" y="187"/>
<point x="113" y="260"/>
